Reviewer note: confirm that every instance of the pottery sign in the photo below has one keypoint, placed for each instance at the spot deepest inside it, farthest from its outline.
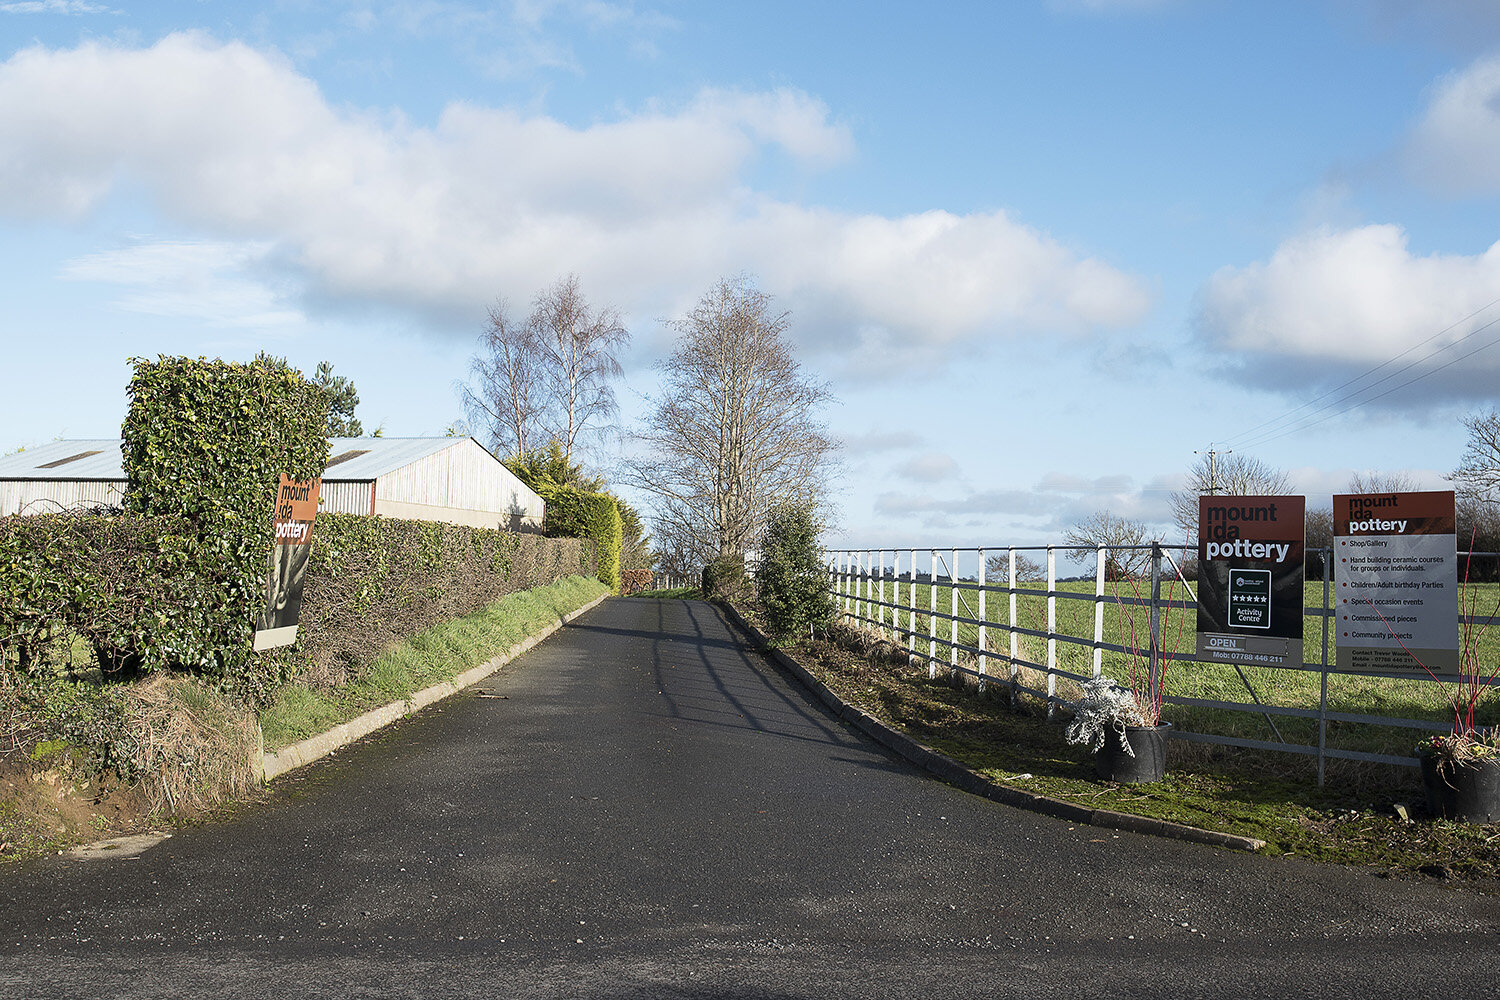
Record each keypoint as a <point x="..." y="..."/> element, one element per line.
<point x="296" y="506"/>
<point x="1395" y="567"/>
<point x="1250" y="552"/>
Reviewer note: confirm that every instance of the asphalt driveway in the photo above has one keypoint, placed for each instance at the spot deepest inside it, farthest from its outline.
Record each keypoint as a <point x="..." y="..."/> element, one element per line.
<point x="641" y="807"/>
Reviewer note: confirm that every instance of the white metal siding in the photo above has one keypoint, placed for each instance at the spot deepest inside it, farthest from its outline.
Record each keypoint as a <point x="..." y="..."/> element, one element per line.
<point x="464" y="477"/>
<point x="40" y="497"/>
<point x="345" y="498"/>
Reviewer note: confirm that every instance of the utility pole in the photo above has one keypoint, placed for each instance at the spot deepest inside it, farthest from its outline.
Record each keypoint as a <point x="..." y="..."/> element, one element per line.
<point x="1213" y="469"/>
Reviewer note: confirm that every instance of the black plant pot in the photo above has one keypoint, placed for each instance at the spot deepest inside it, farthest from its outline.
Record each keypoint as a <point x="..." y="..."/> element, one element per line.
<point x="1469" y="792"/>
<point x="1112" y="763"/>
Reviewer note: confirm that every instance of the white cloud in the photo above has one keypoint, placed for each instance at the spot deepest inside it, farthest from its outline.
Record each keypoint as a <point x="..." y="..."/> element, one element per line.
<point x="72" y="7"/>
<point x="215" y="282"/>
<point x="235" y="144"/>
<point x="1352" y="299"/>
<point x="1456" y="145"/>
<point x="928" y="468"/>
<point x="873" y="442"/>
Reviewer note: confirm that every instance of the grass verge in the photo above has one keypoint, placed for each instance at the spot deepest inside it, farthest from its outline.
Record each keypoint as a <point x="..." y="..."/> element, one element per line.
<point x="1353" y="820"/>
<point x="436" y="654"/>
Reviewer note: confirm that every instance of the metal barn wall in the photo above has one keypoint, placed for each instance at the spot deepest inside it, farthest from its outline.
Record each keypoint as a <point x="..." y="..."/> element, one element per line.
<point x="41" y="496"/>
<point x="346" y="498"/>
<point x="464" y="477"/>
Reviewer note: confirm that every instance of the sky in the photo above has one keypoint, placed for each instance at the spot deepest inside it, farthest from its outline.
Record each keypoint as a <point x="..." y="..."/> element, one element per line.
<point x="1046" y="253"/>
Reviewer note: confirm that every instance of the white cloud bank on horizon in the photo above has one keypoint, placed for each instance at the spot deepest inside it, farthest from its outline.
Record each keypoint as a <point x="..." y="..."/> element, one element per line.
<point x="1333" y="302"/>
<point x="233" y="144"/>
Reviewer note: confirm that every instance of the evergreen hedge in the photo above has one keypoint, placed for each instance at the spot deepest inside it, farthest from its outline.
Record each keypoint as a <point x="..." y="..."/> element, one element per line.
<point x="139" y="591"/>
<point x="575" y="513"/>
<point x="207" y="442"/>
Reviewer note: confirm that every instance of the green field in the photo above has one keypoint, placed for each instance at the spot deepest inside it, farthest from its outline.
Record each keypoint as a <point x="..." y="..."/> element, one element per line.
<point x="1415" y="699"/>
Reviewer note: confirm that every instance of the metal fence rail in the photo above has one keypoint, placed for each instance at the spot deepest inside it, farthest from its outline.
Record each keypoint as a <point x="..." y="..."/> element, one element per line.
<point x="869" y="590"/>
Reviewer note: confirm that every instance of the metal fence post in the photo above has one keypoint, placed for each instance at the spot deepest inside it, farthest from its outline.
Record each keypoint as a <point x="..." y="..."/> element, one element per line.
<point x="1323" y="694"/>
<point x="1015" y="641"/>
<point x="983" y="617"/>
<point x="1051" y="631"/>
<point x="1099" y="610"/>
<point x="864" y="574"/>
<point x="953" y="622"/>
<point x="880" y="559"/>
<point x="911" y="594"/>
<point x="1154" y="663"/>
<point x="932" y="621"/>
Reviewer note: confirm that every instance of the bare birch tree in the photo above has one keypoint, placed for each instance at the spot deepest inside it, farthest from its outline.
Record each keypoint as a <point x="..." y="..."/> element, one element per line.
<point x="1478" y="476"/>
<point x="579" y="347"/>
<point x="735" y="430"/>
<point x="504" y="397"/>
<point x="1224" y="474"/>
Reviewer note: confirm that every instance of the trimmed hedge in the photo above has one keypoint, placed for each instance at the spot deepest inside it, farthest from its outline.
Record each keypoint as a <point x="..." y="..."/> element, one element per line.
<point x="206" y="442"/>
<point x="575" y="513"/>
<point x="139" y="591"/>
<point x="634" y="581"/>
<point x="209" y="439"/>
<point x="374" y="580"/>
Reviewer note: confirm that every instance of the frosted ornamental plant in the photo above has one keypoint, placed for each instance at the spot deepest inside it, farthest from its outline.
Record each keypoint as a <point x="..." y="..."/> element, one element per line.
<point x="1105" y="707"/>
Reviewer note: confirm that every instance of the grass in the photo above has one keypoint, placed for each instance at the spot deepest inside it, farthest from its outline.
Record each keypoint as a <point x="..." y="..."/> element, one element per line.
<point x="1417" y="699"/>
<point x="1352" y="820"/>
<point x="437" y="654"/>
<point x="683" y="593"/>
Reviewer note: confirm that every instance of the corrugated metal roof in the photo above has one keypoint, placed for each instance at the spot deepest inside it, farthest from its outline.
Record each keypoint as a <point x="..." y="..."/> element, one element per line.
<point x="106" y="464"/>
<point x="380" y="456"/>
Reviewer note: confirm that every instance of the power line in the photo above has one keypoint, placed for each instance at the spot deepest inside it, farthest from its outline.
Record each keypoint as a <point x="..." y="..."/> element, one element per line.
<point x="1249" y="438"/>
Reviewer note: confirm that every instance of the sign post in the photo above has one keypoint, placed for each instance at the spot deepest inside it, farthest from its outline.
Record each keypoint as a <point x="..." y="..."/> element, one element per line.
<point x="296" y="506"/>
<point x="1250" y="553"/>
<point x="1396" y="566"/>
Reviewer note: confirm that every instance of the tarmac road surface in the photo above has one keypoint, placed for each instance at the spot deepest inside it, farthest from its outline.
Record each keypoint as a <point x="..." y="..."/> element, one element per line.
<point x="640" y="807"/>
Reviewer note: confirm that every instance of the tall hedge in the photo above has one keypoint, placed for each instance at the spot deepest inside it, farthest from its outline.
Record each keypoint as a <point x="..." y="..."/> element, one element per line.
<point x="575" y="513"/>
<point x="207" y="441"/>
<point x="373" y="580"/>
<point x="138" y="590"/>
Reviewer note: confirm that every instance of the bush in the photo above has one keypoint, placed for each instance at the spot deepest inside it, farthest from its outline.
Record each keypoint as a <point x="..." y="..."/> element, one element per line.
<point x="207" y="442"/>
<point x="634" y="581"/>
<point x="374" y="580"/>
<point x="792" y="583"/>
<point x="146" y="592"/>
<point x="575" y="513"/>
<point x="724" y="579"/>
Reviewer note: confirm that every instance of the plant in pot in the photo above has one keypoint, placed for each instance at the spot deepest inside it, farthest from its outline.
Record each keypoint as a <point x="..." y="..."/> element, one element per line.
<point x="1127" y="745"/>
<point x="1461" y="770"/>
<point x="1122" y="723"/>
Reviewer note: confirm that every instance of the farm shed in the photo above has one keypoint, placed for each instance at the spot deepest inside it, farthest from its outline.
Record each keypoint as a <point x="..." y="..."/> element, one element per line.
<point x="452" y="480"/>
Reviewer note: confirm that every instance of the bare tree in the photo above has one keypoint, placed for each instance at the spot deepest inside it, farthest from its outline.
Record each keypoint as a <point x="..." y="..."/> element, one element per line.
<point x="1116" y="535"/>
<point x="579" y="347"/>
<point x="1478" y="474"/>
<point x="1028" y="570"/>
<point x="735" y="429"/>
<point x="1224" y="474"/>
<point x="505" y="395"/>
<point x="1381" y="482"/>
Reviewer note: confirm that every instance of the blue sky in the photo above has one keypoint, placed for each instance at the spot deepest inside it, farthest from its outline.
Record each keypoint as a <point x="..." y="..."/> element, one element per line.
<point x="1043" y="251"/>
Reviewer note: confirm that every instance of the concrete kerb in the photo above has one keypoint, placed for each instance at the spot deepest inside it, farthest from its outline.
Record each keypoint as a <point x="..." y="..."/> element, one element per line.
<point x="956" y="774"/>
<point x="274" y="764"/>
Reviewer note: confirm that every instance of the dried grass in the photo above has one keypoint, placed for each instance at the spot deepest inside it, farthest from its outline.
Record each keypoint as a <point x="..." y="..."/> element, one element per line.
<point x="193" y="748"/>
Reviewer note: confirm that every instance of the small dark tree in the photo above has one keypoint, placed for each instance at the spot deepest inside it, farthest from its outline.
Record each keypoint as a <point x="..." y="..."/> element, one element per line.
<point x="792" y="583"/>
<point x="342" y="399"/>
